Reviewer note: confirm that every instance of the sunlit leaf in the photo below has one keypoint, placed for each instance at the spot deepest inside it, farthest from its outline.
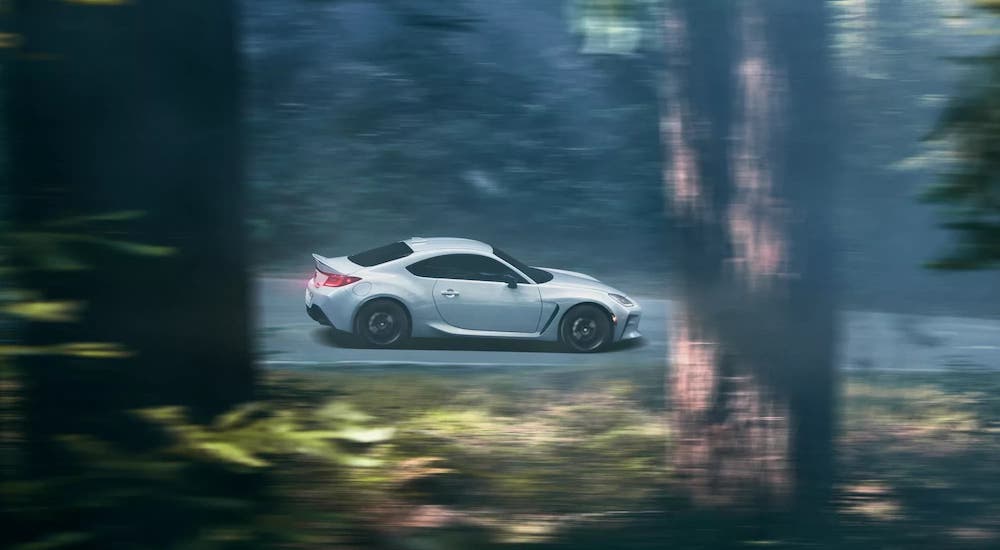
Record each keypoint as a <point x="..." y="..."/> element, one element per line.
<point x="10" y="40"/>
<point x="90" y="350"/>
<point x="47" y="311"/>
<point x="231" y="453"/>
<point x="362" y="435"/>
<point x="238" y="415"/>
<point x="355" y="461"/>
<point x="93" y="350"/>
<point x="342" y="411"/>
<point x="172" y="414"/>
<point x="11" y="351"/>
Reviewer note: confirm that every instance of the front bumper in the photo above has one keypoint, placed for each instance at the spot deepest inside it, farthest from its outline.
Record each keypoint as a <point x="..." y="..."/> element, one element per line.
<point x="630" y="329"/>
<point x="626" y="320"/>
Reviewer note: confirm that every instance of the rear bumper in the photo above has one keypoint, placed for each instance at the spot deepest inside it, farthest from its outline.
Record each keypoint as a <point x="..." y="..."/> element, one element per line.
<point x="317" y="315"/>
<point x="332" y="307"/>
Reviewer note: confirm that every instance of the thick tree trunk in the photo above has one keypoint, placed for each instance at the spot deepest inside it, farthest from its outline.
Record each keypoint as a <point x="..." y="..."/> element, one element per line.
<point x="747" y="136"/>
<point x="121" y="107"/>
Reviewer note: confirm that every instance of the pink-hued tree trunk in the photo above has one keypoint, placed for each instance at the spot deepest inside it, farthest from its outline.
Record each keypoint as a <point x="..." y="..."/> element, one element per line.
<point x="746" y="132"/>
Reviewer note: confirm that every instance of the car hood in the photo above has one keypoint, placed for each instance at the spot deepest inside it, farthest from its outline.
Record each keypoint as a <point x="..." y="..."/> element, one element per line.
<point x="563" y="277"/>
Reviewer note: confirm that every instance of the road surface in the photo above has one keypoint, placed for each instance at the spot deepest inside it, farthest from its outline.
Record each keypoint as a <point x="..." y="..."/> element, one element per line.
<point x="870" y="340"/>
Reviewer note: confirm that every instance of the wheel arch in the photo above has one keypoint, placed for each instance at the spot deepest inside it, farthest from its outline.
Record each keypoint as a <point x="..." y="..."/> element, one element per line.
<point x="599" y="305"/>
<point x="389" y="298"/>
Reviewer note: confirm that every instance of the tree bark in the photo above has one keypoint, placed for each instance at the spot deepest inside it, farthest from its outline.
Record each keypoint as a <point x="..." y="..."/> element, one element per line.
<point x="746" y="127"/>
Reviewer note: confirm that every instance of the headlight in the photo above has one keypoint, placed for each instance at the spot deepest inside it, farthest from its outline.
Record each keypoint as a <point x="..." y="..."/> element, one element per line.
<point x="621" y="300"/>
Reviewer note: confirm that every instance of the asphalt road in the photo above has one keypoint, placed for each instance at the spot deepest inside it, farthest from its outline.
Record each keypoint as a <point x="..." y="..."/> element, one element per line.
<point x="870" y="340"/>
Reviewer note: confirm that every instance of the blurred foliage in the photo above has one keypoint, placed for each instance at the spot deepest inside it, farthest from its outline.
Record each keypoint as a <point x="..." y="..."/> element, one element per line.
<point x="250" y="432"/>
<point x="167" y="495"/>
<point x="579" y="459"/>
<point x="499" y="458"/>
<point x="971" y="189"/>
<point x="53" y="248"/>
<point x="493" y="459"/>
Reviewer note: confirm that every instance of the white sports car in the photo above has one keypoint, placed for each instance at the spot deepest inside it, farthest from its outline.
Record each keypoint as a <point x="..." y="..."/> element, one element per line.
<point x="447" y="287"/>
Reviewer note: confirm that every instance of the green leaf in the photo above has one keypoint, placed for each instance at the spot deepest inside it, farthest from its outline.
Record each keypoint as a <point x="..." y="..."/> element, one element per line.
<point x="238" y="416"/>
<point x="45" y="311"/>
<point x="366" y="435"/>
<point x="355" y="461"/>
<point x="91" y="350"/>
<point x="165" y="415"/>
<point x="231" y="453"/>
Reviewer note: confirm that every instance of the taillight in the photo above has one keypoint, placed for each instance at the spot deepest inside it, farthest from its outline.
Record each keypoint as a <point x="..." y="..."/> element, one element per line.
<point x="336" y="279"/>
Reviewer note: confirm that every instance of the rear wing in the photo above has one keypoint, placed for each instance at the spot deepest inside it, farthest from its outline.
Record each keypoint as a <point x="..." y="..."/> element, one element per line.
<point x="334" y="266"/>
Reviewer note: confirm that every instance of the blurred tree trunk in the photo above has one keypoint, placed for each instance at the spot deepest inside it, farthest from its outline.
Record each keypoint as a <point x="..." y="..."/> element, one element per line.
<point x="132" y="106"/>
<point x="746" y="127"/>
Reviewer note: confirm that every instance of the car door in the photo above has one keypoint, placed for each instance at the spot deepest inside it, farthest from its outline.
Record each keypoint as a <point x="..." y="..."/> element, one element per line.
<point x="471" y="292"/>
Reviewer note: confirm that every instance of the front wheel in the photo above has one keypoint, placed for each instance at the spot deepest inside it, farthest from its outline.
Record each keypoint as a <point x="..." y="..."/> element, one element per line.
<point x="382" y="324"/>
<point x="585" y="328"/>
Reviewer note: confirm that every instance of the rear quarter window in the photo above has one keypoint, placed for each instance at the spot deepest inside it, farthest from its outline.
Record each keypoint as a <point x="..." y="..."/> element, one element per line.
<point x="381" y="255"/>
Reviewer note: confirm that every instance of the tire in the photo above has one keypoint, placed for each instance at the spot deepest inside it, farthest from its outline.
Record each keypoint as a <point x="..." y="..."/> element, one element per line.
<point x="585" y="329"/>
<point x="382" y="324"/>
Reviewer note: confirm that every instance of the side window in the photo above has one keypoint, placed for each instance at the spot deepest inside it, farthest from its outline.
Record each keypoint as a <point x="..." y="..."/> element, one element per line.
<point x="463" y="266"/>
<point x="435" y="268"/>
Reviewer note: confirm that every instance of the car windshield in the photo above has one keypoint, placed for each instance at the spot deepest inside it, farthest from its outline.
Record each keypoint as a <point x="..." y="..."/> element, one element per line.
<point x="533" y="273"/>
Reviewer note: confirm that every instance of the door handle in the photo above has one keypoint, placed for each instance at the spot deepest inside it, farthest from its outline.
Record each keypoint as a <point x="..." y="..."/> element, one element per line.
<point x="449" y="293"/>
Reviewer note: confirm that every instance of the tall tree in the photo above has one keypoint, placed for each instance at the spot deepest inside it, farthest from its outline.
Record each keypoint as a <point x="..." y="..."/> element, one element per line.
<point x="747" y="132"/>
<point x="127" y="113"/>
<point x="131" y="107"/>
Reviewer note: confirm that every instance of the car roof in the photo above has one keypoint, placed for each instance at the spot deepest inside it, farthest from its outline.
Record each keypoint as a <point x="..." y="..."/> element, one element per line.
<point x="421" y="244"/>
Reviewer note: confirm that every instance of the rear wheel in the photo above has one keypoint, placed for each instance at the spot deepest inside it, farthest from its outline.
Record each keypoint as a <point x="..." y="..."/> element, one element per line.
<point x="585" y="328"/>
<point x="382" y="324"/>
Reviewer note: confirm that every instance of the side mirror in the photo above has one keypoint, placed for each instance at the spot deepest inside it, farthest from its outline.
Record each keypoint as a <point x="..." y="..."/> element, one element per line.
<point x="510" y="280"/>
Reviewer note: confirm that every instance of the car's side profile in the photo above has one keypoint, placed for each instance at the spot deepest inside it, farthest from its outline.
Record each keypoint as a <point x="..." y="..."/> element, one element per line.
<point x="451" y="287"/>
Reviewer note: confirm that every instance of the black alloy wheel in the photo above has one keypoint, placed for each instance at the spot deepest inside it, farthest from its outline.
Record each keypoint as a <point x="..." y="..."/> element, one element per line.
<point x="585" y="328"/>
<point x="382" y="324"/>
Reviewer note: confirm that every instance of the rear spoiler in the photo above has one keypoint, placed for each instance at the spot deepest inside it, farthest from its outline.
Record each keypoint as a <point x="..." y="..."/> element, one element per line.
<point x="322" y="266"/>
<point x="334" y="266"/>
